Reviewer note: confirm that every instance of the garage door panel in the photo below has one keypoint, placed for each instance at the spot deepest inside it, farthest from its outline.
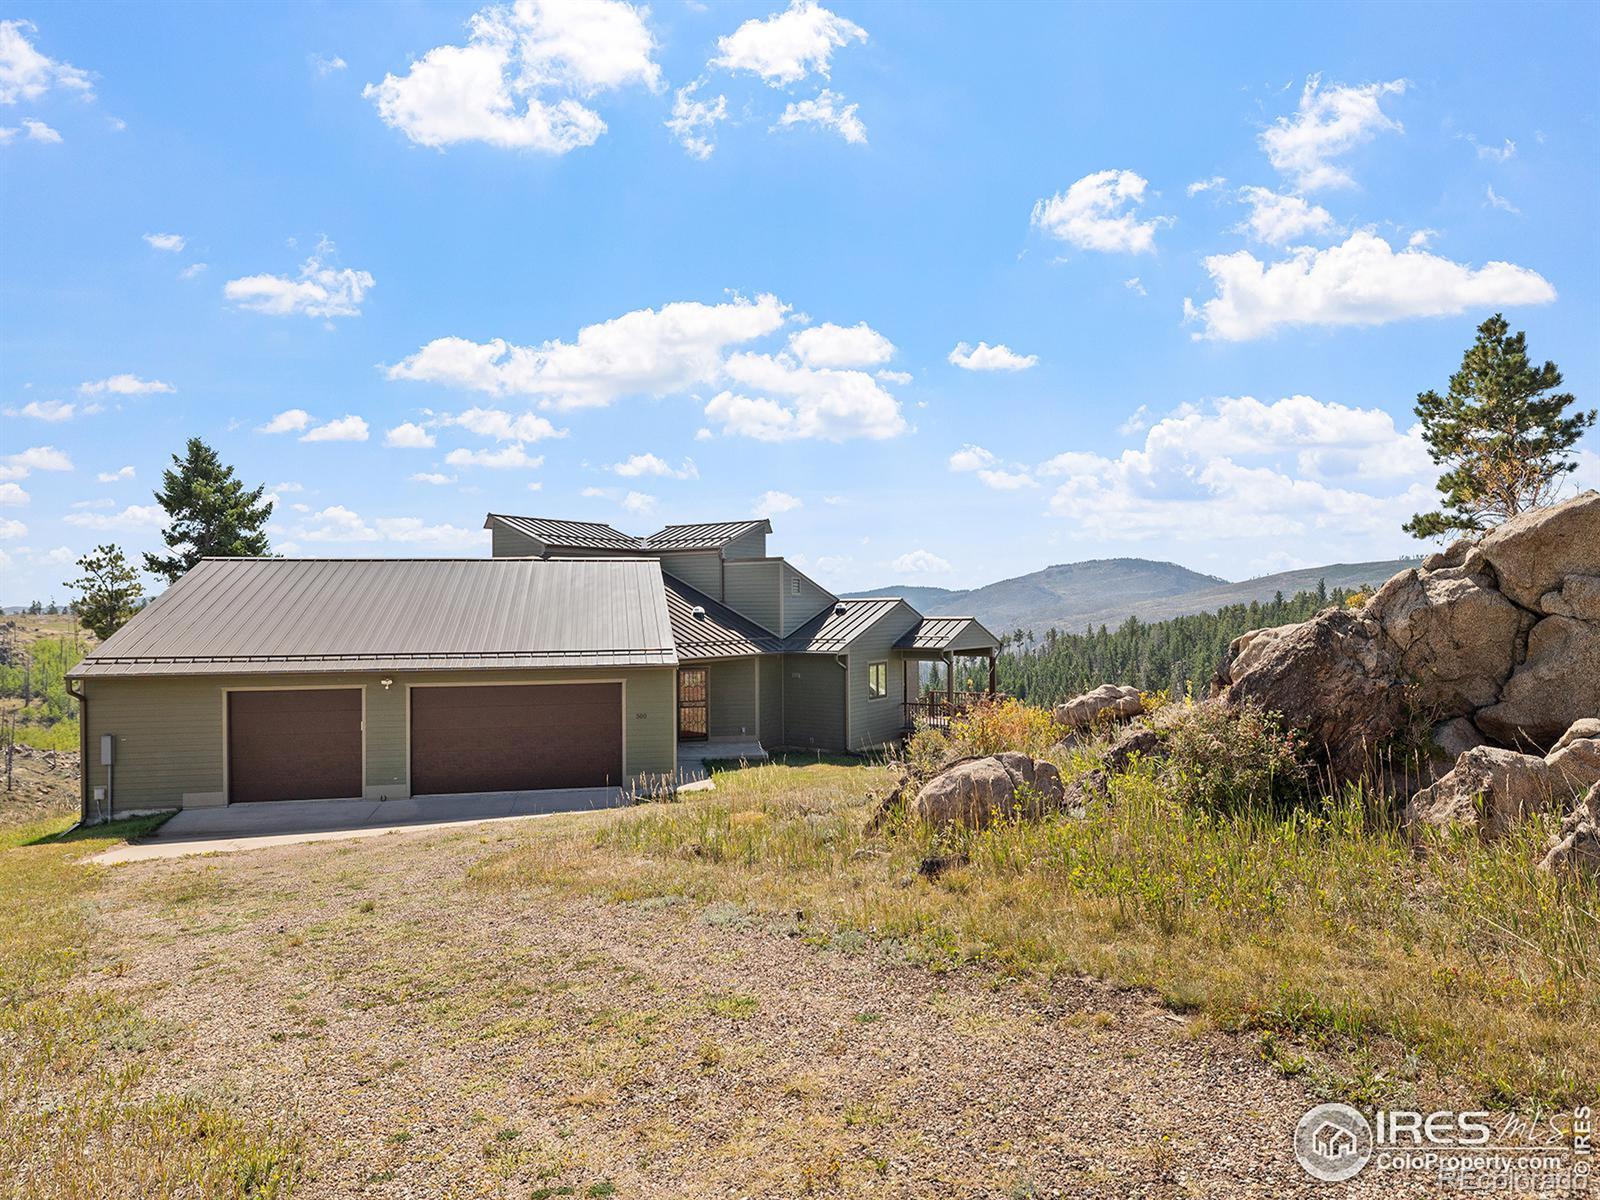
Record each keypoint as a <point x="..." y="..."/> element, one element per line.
<point x="294" y="744"/>
<point x="518" y="737"/>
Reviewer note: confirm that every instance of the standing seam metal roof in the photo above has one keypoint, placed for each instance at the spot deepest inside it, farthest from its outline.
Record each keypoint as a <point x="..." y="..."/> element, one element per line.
<point x="261" y="614"/>
<point x="718" y="633"/>
<point x="948" y="633"/>
<point x="711" y="535"/>
<point x="831" y="631"/>
<point x="568" y="535"/>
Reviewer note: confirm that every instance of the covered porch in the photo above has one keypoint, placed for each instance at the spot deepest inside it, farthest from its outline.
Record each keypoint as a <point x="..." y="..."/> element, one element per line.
<point x="947" y="640"/>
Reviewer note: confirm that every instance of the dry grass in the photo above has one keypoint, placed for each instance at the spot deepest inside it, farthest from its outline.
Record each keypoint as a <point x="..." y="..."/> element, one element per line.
<point x="1461" y="971"/>
<point x="75" y="1118"/>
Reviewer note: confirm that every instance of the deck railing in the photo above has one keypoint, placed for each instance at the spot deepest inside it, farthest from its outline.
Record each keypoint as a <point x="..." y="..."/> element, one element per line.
<point x="936" y="710"/>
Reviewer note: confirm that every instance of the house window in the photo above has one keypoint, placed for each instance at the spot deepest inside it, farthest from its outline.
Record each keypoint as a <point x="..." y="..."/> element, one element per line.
<point x="877" y="680"/>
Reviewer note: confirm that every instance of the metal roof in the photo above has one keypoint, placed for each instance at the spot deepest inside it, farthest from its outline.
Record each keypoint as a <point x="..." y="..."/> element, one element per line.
<point x="711" y="535"/>
<point x="241" y="615"/>
<point x="717" y="632"/>
<point x="568" y="535"/>
<point x="833" y="629"/>
<point x="954" y="634"/>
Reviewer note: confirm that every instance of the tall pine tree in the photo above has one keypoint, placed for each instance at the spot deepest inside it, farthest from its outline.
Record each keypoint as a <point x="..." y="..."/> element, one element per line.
<point x="211" y="513"/>
<point x="1499" y="433"/>
<point x="109" y="593"/>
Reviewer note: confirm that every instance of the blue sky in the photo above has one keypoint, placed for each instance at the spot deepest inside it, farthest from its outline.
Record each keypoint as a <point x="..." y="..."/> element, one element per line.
<point x="951" y="292"/>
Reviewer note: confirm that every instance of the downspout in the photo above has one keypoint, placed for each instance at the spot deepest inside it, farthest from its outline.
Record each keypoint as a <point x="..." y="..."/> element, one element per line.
<point x="83" y="753"/>
<point x="844" y="662"/>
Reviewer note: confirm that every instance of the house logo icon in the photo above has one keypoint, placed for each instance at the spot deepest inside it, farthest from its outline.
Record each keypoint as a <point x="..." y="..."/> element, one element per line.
<point x="1333" y="1142"/>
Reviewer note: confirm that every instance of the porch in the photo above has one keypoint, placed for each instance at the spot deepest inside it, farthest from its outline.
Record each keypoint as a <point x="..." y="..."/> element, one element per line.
<point x="944" y="640"/>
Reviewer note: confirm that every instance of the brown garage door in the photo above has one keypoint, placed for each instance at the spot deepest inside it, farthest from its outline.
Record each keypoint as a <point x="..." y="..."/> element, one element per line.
<point x="515" y="738"/>
<point x="299" y="745"/>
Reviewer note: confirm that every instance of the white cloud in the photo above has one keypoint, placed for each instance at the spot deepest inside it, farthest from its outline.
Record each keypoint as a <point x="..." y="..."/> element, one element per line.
<point x="45" y="410"/>
<point x="828" y="110"/>
<point x="786" y="47"/>
<point x="833" y="405"/>
<point x="1099" y="212"/>
<point x="703" y="434"/>
<point x="1493" y="199"/>
<point x="319" y="291"/>
<point x="1498" y="154"/>
<point x="36" y="458"/>
<point x="172" y="243"/>
<point x="1136" y="286"/>
<point x="919" y="562"/>
<point x="342" y="429"/>
<point x="125" y="385"/>
<point x="13" y="493"/>
<point x="61" y="556"/>
<point x="1277" y="218"/>
<point x="985" y="357"/>
<point x="986" y="466"/>
<point x="1205" y="185"/>
<point x="518" y="81"/>
<point x="1137" y="422"/>
<point x="1422" y="237"/>
<point x="288" y="488"/>
<point x="829" y="345"/>
<point x="639" y="503"/>
<point x="1327" y="125"/>
<point x="11" y="530"/>
<point x="291" y="420"/>
<point x="506" y="458"/>
<point x="432" y="477"/>
<point x="647" y="352"/>
<point x="971" y="458"/>
<point x="1006" y="481"/>
<point x="26" y="74"/>
<point x="409" y="436"/>
<point x="694" y="121"/>
<point x="343" y="525"/>
<point x="37" y="131"/>
<point x="133" y="519"/>
<point x="901" y="377"/>
<point x="504" y="426"/>
<point x="326" y="64"/>
<point x="193" y="271"/>
<point x="770" y="504"/>
<point x="638" y="465"/>
<point x="116" y="476"/>
<point x="1360" y="282"/>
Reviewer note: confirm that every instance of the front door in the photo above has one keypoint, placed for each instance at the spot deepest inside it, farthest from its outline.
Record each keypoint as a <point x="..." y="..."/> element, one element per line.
<point x="692" y="704"/>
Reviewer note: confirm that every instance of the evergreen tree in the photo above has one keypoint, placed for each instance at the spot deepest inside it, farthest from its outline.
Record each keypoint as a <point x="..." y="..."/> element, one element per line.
<point x="1498" y="433"/>
<point x="109" y="591"/>
<point x="211" y="513"/>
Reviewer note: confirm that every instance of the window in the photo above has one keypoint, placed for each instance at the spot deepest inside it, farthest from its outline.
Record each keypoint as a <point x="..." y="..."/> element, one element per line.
<point x="877" y="680"/>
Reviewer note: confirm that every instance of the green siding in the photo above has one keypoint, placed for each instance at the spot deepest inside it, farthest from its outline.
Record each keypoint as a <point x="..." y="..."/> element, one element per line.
<point x="874" y="722"/>
<point x="731" y="698"/>
<point x="813" y="702"/>
<point x="751" y="545"/>
<point x="772" y="718"/>
<point x="170" y="737"/>
<point x="699" y="569"/>
<point x="508" y="543"/>
<point x="753" y="590"/>
<point x="802" y="599"/>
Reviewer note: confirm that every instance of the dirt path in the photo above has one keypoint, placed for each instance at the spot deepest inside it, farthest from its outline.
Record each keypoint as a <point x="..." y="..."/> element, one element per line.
<point x="430" y="1037"/>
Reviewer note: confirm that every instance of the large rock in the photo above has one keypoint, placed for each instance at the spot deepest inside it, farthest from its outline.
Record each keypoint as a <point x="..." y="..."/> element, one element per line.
<point x="1575" y="849"/>
<point x="1334" y="676"/>
<point x="1534" y="553"/>
<point x="981" y="791"/>
<point x="1577" y="762"/>
<point x="1457" y="637"/>
<point x="1455" y="737"/>
<point x="1489" y="788"/>
<point x="1109" y="701"/>
<point x="1558" y="684"/>
<point x="1579" y="597"/>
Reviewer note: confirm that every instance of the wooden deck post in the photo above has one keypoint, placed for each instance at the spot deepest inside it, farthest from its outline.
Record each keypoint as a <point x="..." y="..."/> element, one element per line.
<point x="994" y="675"/>
<point x="950" y="681"/>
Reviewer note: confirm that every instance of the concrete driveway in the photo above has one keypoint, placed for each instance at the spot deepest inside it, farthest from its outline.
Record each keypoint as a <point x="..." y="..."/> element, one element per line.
<point x="283" y="822"/>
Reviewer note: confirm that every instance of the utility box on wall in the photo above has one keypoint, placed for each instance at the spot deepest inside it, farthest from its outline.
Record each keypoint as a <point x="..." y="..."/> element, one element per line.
<point x="107" y="749"/>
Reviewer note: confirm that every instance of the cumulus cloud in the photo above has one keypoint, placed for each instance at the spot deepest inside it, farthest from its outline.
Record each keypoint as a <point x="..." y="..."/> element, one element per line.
<point x="318" y="291"/>
<point x="125" y="385"/>
<point x="47" y="410"/>
<point x="1205" y="185"/>
<point x="520" y="80"/>
<point x="770" y="504"/>
<point x="116" y="476"/>
<point x="10" y="531"/>
<point x="503" y="426"/>
<point x="172" y="243"/>
<point x="36" y="130"/>
<point x="1328" y="124"/>
<point x="1136" y="286"/>
<point x="26" y="74"/>
<point x="786" y="47"/>
<point x="408" y="435"/>
<point x="638" y="465"/>
<point x="828" y="110"/>
<point x="1359" y="282"/>
<point x="1100" y="212"/>
<point x="1278" y="218"/>
<point x="328" y="64"/>
<point x="136" y="518"/>
<point x="291" y="420"/>
<point x="919" y="562"/>
<point x="339" y="524"/>
<point x="985" y="357"/>
<point x="432" y="477"/>
<point x="693" y="121"/>
<point x="342" y="429"/>
<point x="503" y="459"/>
<point x="980" y="462"/>
<point x="776" y="399"/>
<point x="36" y="458"/>
<point x="13" y="493"/>
<point x="829" y="345"/>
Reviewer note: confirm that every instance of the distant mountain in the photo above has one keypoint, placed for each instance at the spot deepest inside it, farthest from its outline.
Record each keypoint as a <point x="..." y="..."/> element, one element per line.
<point x="1073" y="596"/>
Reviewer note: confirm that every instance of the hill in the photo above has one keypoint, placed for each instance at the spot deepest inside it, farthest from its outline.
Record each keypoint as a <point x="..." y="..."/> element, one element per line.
<point x="1075" y="596"/>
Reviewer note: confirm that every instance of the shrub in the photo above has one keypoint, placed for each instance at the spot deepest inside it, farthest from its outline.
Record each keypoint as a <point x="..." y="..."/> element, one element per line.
<point x="927" y="751"/>
<point x="999" y="725"/>
<point x="1232" y="760"/>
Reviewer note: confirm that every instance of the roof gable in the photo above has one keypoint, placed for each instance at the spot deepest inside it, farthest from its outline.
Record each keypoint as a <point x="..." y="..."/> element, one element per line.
<point x="710" y="535"/>
<point x="950" y="634"/>
<point x="715" y="630"/>
<point x="567" y="535"/>
<point x="832" y="630"/>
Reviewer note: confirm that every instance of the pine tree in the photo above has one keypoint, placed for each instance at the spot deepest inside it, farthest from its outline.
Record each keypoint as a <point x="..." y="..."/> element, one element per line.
<point x="109" y="592"/>
<point x="211" y="513"/>
<point x="1498" y="433"/>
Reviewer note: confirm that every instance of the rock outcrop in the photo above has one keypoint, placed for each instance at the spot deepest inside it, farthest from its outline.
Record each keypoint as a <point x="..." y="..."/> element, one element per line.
<point x="1576" y="847"/>
<point x="981" y="791"/>
<point x="1491" y="788"/>
<point x="1109" y="701"/>
<point x="1557" y="683"/>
